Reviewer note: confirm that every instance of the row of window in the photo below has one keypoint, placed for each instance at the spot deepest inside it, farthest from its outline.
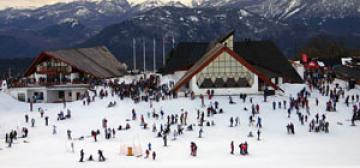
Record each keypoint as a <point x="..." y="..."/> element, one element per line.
<point x="223" y="70"/>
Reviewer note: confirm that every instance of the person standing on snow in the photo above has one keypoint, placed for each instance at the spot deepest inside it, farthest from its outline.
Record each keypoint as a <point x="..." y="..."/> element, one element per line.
<point x="237" y="121"/>
<point x="54" y="129"/>
<point x="26" y="118"/>
<point x="258" y="135"/>
<point x="153" y="155"/>
<point x="81" y="155"/>
<point x="165" y="140"/>
<point x="101" y="156"/>
<point x="32" y="122"/>
<point x="193" y="149"/>
<point x="202" y="100"/>
<point x="69" y="134"/>
<point x="72" y="147"/>
<point x="46" y="120"/>
<point x="200" y="132"/>
<point x="232" y="147"/>
<point x="258" y="124"/>
<point x="149" y="146"/>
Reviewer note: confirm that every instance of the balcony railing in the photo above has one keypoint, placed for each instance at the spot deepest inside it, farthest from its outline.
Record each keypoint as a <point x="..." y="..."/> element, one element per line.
<point x="22" y="83"/>
<point x="52" y="70"/>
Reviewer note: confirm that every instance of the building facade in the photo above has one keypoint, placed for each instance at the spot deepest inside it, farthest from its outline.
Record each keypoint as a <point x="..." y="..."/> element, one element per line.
<point x="221" y="66"/>
<point x="65" y="75"/>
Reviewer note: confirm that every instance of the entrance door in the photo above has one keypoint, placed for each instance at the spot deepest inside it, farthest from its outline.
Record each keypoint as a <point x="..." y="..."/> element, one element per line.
<point x="77" y="95"/>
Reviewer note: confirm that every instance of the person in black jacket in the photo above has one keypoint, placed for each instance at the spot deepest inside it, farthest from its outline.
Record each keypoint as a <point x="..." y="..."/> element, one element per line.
<point x="81" y="155"/>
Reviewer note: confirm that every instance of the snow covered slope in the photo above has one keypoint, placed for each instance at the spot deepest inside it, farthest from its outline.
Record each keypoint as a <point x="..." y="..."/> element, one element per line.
<point x="275" y="149"/>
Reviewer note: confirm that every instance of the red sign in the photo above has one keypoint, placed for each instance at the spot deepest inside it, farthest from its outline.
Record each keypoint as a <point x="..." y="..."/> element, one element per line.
<point x="304" y="58"/>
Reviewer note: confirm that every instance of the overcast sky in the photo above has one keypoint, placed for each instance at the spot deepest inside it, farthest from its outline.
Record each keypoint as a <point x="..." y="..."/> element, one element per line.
<point x="37" y="3"/>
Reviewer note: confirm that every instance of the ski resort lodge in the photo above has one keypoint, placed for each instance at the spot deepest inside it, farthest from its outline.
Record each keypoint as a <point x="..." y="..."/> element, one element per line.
<point x="228" y="67"/>
<point x="65" y="75"/>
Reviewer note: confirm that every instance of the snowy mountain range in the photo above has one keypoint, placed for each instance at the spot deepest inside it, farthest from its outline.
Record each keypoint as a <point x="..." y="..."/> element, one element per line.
<point x="80" y="22"/>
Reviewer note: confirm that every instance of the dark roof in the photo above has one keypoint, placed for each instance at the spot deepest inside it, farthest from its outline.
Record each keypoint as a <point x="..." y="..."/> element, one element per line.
<point x="264" y="55"/>
<point x="97" y="61"/>
<point x="267" y="55"/>
<point x="345" y="72"/>
<point x="184" y="56"/>
<point x="210" y="56"/>
<point x="266" y="72"/>
<point x="331" y="61"/>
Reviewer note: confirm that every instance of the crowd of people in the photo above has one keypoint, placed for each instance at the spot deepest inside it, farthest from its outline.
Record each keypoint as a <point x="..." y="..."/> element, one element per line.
<point x="167" y="124"/>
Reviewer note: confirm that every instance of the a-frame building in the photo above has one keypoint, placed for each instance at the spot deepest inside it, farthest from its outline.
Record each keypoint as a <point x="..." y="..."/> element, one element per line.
<point x="222" y="69"/>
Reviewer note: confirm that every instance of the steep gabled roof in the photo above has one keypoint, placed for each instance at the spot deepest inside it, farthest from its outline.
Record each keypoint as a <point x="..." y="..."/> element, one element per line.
<point x="263" y="55"/>
<point x="210" y="56"/>
<point x="184" y="56"/>
<point x="267" y="55"/>
<point x="97" y="61"/>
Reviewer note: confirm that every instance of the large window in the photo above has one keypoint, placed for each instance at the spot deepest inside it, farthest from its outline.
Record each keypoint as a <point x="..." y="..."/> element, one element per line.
<point x="225" y="72"/>
<point x="61" y="94"/>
